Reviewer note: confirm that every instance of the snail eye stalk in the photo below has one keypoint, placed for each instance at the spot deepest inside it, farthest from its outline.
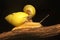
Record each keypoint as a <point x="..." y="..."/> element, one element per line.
<point x="44" y="18"/>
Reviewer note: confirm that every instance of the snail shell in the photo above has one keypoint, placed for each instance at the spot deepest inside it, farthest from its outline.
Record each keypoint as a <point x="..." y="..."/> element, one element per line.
<point x="29" y="9"/>
<point x="17" y="18"/>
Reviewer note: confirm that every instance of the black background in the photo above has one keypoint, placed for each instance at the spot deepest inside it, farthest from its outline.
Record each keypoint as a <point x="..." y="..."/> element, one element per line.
<point x="43" y="7"/>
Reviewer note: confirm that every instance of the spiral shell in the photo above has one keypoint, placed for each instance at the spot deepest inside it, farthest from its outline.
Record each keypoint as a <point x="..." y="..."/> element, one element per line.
<point x="17" y="18"/>
<point x="29" y="9"/>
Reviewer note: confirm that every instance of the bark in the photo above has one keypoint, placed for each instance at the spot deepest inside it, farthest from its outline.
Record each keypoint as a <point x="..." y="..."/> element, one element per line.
<point x="42" y="32"/>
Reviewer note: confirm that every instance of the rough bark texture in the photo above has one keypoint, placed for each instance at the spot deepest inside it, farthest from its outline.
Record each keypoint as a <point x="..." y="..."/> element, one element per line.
<point x="32" y="34"/>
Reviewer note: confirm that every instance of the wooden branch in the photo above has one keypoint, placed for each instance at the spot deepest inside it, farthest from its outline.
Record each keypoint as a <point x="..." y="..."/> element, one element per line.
<point x="41" y="32"/>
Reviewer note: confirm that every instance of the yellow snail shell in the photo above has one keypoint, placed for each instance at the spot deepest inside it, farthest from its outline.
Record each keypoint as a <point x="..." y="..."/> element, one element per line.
<point x="30" y="9"/>
<point x="17" y="18"/>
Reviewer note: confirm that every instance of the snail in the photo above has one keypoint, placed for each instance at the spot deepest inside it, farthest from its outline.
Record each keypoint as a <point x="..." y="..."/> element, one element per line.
<point x="23" y="19"/>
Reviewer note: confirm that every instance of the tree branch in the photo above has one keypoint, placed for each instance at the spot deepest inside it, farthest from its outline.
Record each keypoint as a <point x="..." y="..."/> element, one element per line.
<point x="41" y="32"/>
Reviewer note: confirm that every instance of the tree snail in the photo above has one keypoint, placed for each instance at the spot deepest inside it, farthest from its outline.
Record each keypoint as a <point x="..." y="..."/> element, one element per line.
<point x="18" y="19"/>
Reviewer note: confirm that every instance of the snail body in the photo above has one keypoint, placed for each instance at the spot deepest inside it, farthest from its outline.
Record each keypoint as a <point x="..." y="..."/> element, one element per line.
<point x="28" y="25"/>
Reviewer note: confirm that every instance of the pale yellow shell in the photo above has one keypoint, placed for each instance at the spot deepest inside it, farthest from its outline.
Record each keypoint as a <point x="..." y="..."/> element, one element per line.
<point x="17" y="18"/>
<point x="30" y="8"/>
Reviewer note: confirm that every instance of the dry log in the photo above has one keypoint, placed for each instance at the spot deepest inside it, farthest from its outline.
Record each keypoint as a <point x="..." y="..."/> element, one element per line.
<point x="42" y="32"/>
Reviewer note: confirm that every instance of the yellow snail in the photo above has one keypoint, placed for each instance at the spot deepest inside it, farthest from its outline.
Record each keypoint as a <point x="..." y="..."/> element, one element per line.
<point x="21" y="19"/>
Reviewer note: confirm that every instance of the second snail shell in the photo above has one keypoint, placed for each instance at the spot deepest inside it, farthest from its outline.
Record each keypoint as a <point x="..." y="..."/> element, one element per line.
<point x="30" y="8"/>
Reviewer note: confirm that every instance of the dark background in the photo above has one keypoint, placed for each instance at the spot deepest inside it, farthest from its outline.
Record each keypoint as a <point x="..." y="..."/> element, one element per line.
<point x="43" y="7"/>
